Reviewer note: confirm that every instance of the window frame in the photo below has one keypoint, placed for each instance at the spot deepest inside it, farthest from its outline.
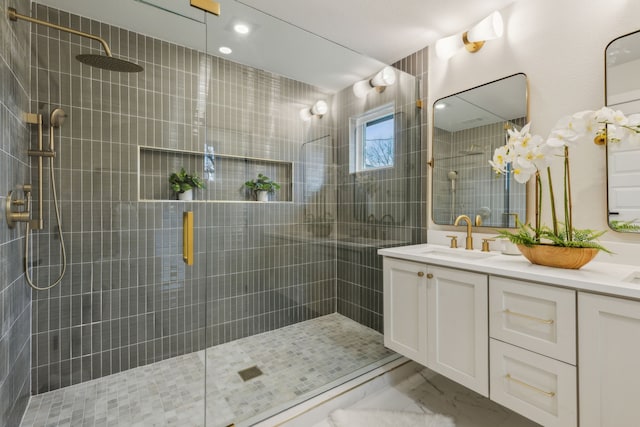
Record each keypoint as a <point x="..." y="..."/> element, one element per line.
<point x="358" y="125"/>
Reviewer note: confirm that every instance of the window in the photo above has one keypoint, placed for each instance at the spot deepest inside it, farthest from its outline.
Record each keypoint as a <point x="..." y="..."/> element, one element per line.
<point x="372" y="144"/>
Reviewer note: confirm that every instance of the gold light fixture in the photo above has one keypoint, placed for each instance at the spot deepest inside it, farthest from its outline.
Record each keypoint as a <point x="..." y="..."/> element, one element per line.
<point x="319" y="109"/>
<point x="490" y="28"/>
<point x="379" y="82"/>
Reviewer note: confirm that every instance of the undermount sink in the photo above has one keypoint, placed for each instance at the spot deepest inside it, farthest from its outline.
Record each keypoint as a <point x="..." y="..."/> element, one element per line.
<point x="459" y="254"/>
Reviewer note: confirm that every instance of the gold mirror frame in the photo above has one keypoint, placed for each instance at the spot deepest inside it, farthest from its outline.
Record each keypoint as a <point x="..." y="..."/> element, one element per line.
<point x="487" y="213"/>
<point x="627" y="56"/>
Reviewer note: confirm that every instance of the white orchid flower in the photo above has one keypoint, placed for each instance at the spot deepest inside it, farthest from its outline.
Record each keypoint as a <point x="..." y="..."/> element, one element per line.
<point x="500" y="159"/>
<point x="575" y="123"/>
<point x="522" y="174"/>
<point x="562" y="137"/>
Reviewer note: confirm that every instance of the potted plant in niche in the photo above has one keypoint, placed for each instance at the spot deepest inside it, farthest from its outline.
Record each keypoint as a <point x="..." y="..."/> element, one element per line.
<point x="183" y="184"/>
<point x="526" y="156"/>
<point x="262" y="186"/>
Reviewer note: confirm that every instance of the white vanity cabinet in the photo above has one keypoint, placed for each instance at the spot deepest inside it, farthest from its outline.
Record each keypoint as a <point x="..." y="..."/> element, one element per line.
<point x="609" y="360"/>
<point x="438" y="317"/>
<point x="563" y="346"/>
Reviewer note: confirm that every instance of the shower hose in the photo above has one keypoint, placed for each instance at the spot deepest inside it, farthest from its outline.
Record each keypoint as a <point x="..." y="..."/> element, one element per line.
<point x="28" y="232"/>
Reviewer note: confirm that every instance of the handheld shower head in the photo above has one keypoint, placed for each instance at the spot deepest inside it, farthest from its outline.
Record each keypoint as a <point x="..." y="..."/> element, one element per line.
<point x="452" y="175"/>
<point x="57" y="117"/>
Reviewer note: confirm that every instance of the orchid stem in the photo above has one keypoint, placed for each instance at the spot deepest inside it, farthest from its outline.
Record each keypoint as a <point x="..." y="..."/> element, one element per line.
<point x="554" y="218"/>
<point x="538" y="204"/>
<point x="568" y="207"/>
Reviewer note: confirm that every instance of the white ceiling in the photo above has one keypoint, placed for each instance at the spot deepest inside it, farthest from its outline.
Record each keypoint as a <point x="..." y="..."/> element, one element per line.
<point x="330" y="44"/>
<point x="385" y="30"/>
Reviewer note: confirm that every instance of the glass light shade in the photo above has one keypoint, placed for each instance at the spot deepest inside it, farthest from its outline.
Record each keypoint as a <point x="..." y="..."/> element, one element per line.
<point x="320" y="108"/>
<point x="361" y="88"/>
<point x="489" y="28"/>
<point x="386" y="77"/>
<point x="449" y="46"/>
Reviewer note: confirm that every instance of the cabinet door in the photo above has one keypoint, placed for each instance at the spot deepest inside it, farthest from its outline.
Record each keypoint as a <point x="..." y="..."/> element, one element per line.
<point x="608" y="357"/>
<point x="405" y="303"/>
<point x="458" y="327"/>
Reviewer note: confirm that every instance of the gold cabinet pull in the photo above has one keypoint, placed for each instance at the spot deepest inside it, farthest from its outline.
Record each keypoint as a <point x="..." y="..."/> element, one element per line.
<point x="420" y="273"/>
<point x="187" y="237"/>
<point x="429" y="276"/>
<point x="529" y="386"/>
<point x="526" y="316"/>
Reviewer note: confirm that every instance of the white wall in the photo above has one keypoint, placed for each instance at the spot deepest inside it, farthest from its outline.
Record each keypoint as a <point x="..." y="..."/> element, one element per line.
<point x="560" y="45"/>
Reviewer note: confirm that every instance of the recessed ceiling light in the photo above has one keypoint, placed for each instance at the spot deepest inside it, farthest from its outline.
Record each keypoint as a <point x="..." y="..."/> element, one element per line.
<point x="241" y="28"/>
<point x="225" y="50"/>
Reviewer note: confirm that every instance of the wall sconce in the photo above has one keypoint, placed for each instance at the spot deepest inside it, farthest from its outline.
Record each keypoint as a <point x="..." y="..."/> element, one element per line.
<point x="319" y="109"/>
<point x="489" y="28"/>
<point x="379" y="82"/>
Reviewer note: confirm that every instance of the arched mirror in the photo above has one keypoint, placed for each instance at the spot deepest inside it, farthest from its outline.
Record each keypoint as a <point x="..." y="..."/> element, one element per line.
<point x="622" y="92"/>
<point x="467" y="128"/>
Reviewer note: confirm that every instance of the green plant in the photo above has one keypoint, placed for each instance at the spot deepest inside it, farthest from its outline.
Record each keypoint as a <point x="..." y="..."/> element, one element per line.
<point x="262" y="183"/>
<point x="182" y="181"/>
<point x="624" y="226"/>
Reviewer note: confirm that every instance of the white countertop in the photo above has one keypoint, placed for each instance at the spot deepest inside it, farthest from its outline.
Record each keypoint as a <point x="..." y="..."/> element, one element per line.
<point x="600" y="277"/>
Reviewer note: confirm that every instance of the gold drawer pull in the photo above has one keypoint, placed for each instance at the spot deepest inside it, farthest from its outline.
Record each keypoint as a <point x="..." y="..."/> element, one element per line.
<point x="420" y="274"/>
<point x="526" y="316"/>
<point x="529" y="386"/>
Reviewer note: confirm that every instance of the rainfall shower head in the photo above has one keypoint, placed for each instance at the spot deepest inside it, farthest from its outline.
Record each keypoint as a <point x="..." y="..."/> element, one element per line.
<point x="109" y="63"/>
<point x="105" y="62"/>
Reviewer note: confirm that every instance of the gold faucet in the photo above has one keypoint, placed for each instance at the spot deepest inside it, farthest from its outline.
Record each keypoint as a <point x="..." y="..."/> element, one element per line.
<point x="469" y="241"/>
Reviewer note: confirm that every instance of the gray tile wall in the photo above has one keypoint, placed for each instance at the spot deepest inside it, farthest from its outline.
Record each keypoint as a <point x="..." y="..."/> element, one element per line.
<point x="127" y="298"/>
<point x="15" y="296"/>
<point x="379" y="208"/>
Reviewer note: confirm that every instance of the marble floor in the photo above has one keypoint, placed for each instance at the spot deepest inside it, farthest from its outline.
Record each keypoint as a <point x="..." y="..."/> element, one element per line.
<point x="297" y="362"/>
<point x="428" y="392"/>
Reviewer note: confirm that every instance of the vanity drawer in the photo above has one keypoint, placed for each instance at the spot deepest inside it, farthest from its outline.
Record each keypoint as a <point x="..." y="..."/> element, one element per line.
<point x="537" y="387"/>
<point x="536" y="317"/>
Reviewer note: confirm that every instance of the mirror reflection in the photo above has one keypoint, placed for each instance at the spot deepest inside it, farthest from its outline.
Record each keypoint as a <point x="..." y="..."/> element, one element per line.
<point x="622" y="88"/>
<point x="467" y="128"/>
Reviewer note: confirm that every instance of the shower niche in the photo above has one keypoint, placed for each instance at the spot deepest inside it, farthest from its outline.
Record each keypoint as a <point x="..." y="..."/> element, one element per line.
<point x="224" y="175"/>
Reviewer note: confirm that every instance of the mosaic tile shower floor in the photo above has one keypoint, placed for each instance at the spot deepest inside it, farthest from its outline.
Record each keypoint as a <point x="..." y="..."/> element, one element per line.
<point x="295" y="360"/>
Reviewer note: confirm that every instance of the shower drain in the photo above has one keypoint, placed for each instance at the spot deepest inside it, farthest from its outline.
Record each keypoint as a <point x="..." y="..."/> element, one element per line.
<point x="249" y="373"/>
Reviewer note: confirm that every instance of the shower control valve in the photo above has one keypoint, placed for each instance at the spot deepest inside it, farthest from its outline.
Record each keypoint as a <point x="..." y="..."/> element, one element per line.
<point x="18" y="216"/>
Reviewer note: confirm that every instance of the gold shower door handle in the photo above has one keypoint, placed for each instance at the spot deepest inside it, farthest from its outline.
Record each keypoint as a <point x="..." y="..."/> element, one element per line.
<point x="187" y="237"/>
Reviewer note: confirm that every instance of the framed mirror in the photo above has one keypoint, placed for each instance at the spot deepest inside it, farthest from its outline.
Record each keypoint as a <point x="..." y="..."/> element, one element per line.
<point x="622" y="92"/>
<point x="467" y="128"/>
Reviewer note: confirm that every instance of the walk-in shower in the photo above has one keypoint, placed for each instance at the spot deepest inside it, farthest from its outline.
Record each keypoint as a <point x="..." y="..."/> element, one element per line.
<point x="291" y="287"/>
